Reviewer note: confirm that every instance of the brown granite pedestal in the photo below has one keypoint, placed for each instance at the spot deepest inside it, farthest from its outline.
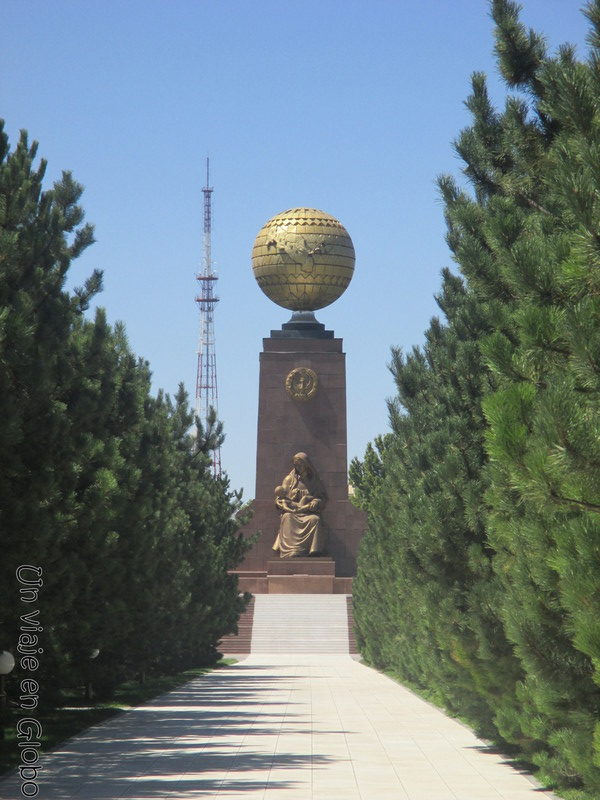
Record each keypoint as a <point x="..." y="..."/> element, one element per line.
<point x="295" y="576"/>
<point x="316" y="426"/>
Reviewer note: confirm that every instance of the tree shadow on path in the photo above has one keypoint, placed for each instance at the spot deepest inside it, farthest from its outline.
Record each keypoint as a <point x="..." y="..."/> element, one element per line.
<point x="218" y="732"/>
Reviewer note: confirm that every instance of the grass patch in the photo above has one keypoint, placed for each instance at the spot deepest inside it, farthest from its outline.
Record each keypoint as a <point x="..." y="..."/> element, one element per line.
<point x="76" y="714"/>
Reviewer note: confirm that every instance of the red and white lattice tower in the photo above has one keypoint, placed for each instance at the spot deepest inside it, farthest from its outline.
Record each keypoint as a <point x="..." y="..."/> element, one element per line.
<point x="206" y="378"/>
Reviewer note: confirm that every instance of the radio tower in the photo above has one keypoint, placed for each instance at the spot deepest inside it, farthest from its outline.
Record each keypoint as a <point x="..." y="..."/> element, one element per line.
<point x="206" y="379"/>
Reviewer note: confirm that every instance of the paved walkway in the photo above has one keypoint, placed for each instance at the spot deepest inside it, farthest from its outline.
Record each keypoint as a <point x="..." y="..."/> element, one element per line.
<point x="275" y="727"/>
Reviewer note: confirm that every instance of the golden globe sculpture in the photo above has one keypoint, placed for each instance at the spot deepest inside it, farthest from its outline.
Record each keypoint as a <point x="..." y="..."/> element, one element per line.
<point x="303" y="259"/>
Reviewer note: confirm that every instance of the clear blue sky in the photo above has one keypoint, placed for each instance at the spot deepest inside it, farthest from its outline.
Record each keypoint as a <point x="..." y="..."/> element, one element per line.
<point x="349" y="106"/>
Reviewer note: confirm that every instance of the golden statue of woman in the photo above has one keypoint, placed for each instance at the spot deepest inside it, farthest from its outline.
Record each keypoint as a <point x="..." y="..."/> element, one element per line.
<point x="301" y="499"/>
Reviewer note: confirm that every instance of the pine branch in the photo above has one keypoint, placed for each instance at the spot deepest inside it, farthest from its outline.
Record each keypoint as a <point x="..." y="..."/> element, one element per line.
<point x="571" y="501"/>
<point x="534" y="204"/>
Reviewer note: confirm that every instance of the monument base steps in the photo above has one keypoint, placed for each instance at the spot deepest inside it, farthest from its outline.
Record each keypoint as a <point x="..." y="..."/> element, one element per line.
<point x="239" y="643"/>
<point x="351" y="637"/>
<point x="322" y="616"/>
<point x="300" y="624"/>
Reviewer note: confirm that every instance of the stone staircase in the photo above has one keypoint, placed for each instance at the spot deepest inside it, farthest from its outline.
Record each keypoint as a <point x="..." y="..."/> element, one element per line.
<point x="353" y="647"/>
<point x="294" y="624"/>
<point x="300" y="623"/>
<point x="239" y="644"/>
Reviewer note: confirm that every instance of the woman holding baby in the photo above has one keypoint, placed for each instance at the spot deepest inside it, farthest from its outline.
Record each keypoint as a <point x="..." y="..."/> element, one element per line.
<point x="301" y="499"/>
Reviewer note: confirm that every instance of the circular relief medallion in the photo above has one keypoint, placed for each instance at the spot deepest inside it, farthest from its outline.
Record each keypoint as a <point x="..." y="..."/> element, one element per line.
<point x="301" y="383"/>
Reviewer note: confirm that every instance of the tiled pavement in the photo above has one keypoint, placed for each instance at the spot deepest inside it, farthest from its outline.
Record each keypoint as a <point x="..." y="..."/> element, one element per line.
<point x="299" y="727"/>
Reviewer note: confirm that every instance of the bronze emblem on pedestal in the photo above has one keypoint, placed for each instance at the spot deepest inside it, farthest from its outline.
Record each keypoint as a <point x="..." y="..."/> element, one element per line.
<point x="301" y="383"/>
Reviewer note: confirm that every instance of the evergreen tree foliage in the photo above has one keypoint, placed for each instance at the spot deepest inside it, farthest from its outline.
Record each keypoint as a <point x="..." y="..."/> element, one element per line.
<point x="425" y="604"/>
<point x="525" y="236"/>
<point x="528" y="243"/>
<point x="102" y="485"/>
<point x="40" y="233"/>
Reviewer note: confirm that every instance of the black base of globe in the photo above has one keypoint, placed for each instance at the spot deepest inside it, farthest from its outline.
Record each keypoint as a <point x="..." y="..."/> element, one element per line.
<point x="302" y="325"/>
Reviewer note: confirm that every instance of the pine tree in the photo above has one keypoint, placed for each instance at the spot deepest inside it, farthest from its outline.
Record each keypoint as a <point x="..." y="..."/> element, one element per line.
<point x="101" y="484"/>
<point x="40" y="234"/>
<point x="424" y="594"/>
<point x="528" y="243"/>
<point x="213" y="546"/>
<point x="520" y="556"/>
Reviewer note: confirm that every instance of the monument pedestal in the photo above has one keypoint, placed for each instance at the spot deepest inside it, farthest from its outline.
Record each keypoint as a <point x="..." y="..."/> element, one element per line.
<point x="315" y="575"/>
<point x="301" y="575"/>
<point x="312" y="420"/>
